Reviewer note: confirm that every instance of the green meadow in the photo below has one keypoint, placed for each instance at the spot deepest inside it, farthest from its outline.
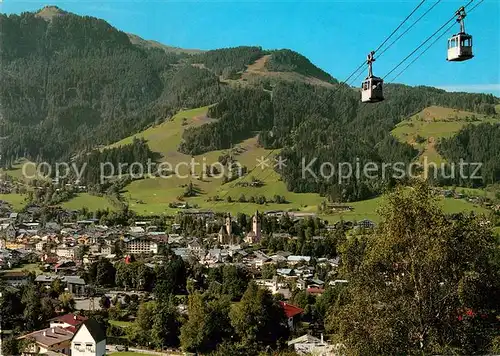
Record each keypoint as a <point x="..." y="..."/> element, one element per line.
<point x="425" y="129"/>
<point x="152" y="195"/>
<point x="91" y="202"/>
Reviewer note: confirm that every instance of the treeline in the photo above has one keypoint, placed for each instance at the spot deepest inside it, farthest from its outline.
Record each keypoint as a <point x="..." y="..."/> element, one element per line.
<point x="104" y="167"/>
<point x="286" y="60"/>
<point x="318" y="125"/>
<point x="241" y="113"/>
<point x="235" y="58"/>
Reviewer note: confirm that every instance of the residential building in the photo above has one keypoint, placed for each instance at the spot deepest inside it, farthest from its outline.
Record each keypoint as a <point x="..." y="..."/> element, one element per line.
<point x="89" y="340"/>
<point x="295" y="259"/>
<point x="73" y="284"/>
<point x="106" y="250"/>
<point x="137" y="230"/>
<point x="15" y="278"/>
<point x="40" y="245"/>
<point x="64" y="251"/>
<point x="366" y="224"/>
<point x="68" y="334"/>
<point x="141" y="245"/>
<point x="54" y="339"/>
<point x="292" y="314"/>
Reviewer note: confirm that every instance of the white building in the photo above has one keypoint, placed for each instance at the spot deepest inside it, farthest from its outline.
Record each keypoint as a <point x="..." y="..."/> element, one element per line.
<point x="137" y="230"/>
<point x="106" y="250"/>
<point x="89" y="340"/>
<point x="40" y="245"/>
<point x="55" y="339"/>
<point x="296" y="259"/>
<point x="310" y="345"/>
<point x="65" y="252"/>
<point x="141" y="245"/>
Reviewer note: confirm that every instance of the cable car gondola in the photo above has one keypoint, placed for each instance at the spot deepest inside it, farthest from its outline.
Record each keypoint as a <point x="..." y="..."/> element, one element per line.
<point x="371" y="88"/>
<point x="460" y="45"/>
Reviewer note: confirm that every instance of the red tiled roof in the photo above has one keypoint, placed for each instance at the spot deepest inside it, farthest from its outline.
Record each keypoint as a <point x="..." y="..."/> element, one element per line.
<point x="315" y="290"/>
<point x="51" y="259"/>
<point x="71" y="319"/>
<point x="71" y="329"/>
<point x="291" y="310"/>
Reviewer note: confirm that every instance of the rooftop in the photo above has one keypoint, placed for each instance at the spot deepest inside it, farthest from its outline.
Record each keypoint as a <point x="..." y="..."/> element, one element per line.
<point x="50" y="336"/>
<point x="71" y="319"/>
<point x="291" y="310"/>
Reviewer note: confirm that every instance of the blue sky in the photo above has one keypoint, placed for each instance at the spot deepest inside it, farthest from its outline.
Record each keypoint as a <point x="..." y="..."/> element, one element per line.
<point x="335" y="35"/>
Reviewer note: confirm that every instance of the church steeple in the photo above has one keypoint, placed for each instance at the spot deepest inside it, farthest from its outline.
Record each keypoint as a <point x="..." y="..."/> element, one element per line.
<point x="256" y="226"/>
<point x="229" y="225"/>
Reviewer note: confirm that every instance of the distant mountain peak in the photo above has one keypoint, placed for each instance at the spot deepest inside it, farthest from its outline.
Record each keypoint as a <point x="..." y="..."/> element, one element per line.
<point x="49" y="12"/>
<point x="141" y="42"/>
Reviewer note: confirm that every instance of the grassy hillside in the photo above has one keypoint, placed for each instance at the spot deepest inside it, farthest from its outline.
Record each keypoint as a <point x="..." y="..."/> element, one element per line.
<point x="23" y="170"/>
<point x="16" y="200"/>
<point x="152" y="195"/>
<point x="91" y="202"/>
<point x="424" y="129"/>
<point x="259" y="70"/>
<point x="166" y="137"/>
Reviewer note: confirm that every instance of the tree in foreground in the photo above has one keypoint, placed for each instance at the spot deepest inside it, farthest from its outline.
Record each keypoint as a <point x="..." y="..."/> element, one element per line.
<point x="208" y="323"/>
<point x="425" y="282"/>
<point x="166" y="325"/>
<point x="66" y="302"/>
<point x="258" y="318"/>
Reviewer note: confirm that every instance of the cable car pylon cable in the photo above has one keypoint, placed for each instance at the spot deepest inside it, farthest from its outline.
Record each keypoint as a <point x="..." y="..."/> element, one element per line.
<point x="429" y="46"/>
<point x="421" y="53"/>
<point x="357" y="70"/>
<point x="475" y="6"/>
<point x="401" y="24"/>
<point x="388" y="38"/>
<point x="410" y="27"/>
<point x="423" y="43"/>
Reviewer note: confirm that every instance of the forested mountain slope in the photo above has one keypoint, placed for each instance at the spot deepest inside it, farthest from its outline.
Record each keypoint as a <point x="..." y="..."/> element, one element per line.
<point x="72" y="84"/>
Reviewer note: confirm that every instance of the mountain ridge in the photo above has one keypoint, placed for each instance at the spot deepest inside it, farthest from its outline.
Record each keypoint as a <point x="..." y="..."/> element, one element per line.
<point x="139" y="41"/>
<point x="66" y="94"/>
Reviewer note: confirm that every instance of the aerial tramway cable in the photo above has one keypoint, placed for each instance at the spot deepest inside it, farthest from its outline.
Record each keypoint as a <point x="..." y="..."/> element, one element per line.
<point x="346" y="81"/>
<point x="388" y="38"/>
<point x="410" y="27"/>
<point x="430" y="45"/>
<point x="423" y="43"/>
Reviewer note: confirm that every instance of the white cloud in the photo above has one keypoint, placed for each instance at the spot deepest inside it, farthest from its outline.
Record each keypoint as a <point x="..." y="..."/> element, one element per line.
<point x="473" y="88"/>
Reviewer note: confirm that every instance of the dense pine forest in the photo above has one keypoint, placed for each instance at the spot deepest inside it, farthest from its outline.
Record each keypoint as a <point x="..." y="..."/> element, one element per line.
<point x="476" y="143"/>
<point x="72" y="83"/>
<point x="286" y="60"/>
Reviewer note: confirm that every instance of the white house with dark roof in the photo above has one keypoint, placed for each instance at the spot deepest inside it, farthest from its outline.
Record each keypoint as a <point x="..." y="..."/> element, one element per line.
<point x="89" y="340"/>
